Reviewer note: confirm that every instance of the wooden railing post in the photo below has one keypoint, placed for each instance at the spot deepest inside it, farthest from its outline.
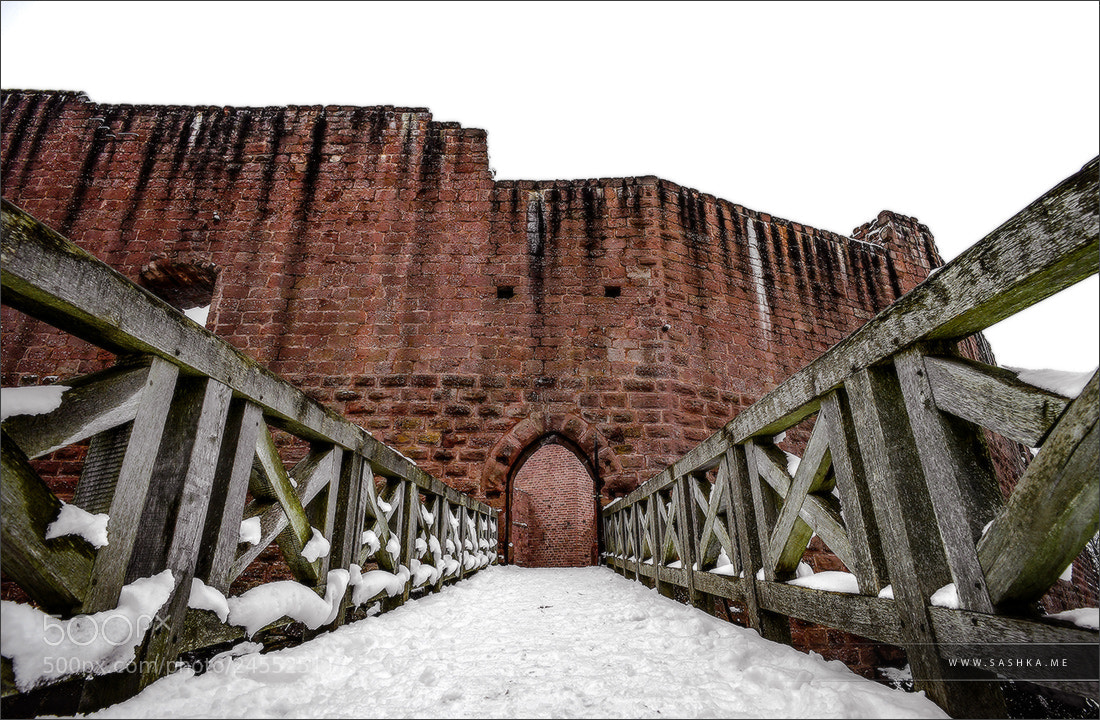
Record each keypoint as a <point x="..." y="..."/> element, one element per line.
<point x="463" y="534"/>
<point x="914" y="550"/>
<point x="645" y="536"/>
<point x="957" y="467"/>
<point x="351" y="514"/>
<point x="659" y="528"/>
<point x="322" y="510"/>
<point x="128" y="500"/>
<point x="623" y="537"/>
<point x="172" y="524"/>
<point x="771" y="626"/>
<point x="696" y="485"/>
<point x="440" y="527"/>
<point x="228" y="494"/>
<point x="723" y="482"/>
<point x="685" y="528"/>
<point x="762" y="501"/>
<point x="636" y="540"/>
<point x="855" y="494"/>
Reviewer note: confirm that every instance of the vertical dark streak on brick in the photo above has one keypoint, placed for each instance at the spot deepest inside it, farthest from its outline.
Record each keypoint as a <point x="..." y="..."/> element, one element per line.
<point x="244" y="129"/>
<point x="182" y="144"/>
<point x="431" y="160"/>
<point x="149" y="161"/>
<point x="855" y="265"/>
<point x="722" y="210"/>
<point x="536" y="250"/>
<point x="19" y="134"/>
<point x="769" y="269"/>
<point x="827" y="290"/>
<point x="421" y="281"/>
<point x="798" y="262"/>
<point x="554" y="212"/>
<point x="895" y="284"/>
<point x="810" y="261"/>
<point x="592" y="216"/>
<point x="271" y="164"/>
<point x="100" y="140"/>
<point x="54" y="108"/>
<point x="296" y="257"/>
<point x="869" y="268"/>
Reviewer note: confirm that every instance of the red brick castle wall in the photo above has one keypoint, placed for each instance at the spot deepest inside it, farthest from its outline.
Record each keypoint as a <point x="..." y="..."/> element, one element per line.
<point x="368" y="255"/>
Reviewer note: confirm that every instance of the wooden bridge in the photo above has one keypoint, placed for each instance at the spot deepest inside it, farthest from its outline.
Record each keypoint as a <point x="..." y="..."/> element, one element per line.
<point x="895" y="477"/>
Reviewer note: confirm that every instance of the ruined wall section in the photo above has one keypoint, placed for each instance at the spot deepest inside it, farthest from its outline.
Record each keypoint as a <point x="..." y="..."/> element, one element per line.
<point x="367" y="255"/>
<point x="752" y="298"/>
<point x="341" y="237"/>
<point x="656" y="312"/>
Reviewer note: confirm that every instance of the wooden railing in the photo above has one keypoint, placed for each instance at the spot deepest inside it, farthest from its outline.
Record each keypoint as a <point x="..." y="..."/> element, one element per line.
<point x="181" y="452"/>
<point x="897" y="480"/>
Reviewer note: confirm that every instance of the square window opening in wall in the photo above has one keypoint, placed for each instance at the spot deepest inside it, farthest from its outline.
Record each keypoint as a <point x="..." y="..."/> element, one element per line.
<point x="612" y="291"/>
<point x="505" y="291"/>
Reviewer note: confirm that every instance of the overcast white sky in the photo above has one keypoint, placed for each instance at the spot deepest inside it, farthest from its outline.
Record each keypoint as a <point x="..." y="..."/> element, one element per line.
<point x="823" y="113"/>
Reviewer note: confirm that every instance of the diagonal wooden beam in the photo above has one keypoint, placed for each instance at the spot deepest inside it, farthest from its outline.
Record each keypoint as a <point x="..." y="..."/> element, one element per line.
<point x="994" y="398"/>
<point x="92" y="404"/>
<point x="686" y="522"/>
<point x="378" y="521"/>
<point x="771" y="485"/>
<point x="730" y="530"/>
<point x="275" y="482"/>
<point x="821" y="513"/>
<point x="672" y="535"/>
<point x="640" y="525"/>
<point x="1052" y="512"/>
<point x="55" y="573"/>
<point x="273" y="518"/>
<point x="713" y="536"/>
<point x="789" y="539"/>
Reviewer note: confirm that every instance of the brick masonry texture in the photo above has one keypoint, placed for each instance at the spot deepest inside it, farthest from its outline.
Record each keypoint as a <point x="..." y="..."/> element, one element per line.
<point x="553" y="518"/>
<point x="368" y="255"/>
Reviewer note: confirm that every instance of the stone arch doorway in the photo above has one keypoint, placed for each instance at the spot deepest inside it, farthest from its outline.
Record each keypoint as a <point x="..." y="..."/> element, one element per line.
<point x="552" y="511"/>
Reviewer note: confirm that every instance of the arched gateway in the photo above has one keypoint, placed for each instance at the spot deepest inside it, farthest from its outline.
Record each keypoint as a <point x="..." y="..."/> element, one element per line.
<point x="552" y="516"/>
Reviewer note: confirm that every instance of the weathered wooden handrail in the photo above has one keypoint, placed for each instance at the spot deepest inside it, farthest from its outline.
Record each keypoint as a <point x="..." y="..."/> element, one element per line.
<point x="896" y="478"/>
<point x="179" y="437"/>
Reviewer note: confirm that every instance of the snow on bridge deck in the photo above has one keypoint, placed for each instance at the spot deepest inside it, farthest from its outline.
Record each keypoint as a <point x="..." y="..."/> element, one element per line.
<point x="519" y="642"/>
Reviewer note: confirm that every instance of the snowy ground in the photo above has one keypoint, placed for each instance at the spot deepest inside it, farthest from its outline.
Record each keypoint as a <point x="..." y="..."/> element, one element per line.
<point x="517" y="642"/>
